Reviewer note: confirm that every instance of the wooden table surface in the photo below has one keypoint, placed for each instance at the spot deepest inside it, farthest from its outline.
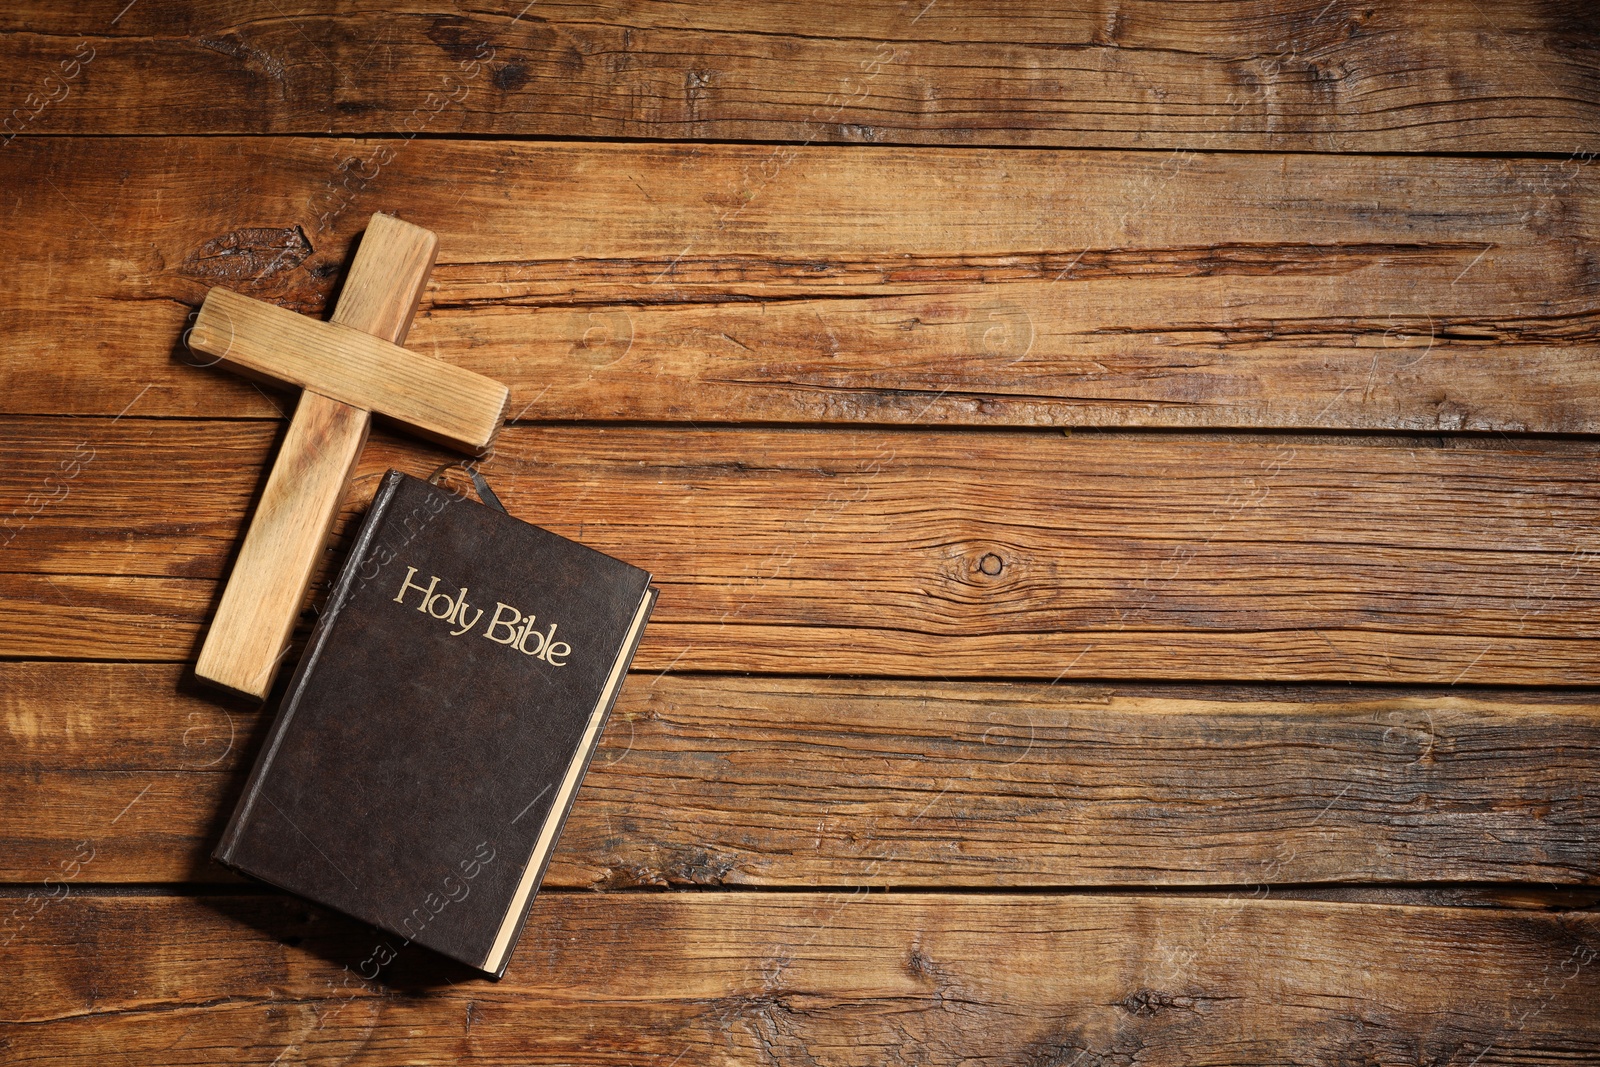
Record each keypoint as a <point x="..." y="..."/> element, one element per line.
<point x="1122" y="478"/>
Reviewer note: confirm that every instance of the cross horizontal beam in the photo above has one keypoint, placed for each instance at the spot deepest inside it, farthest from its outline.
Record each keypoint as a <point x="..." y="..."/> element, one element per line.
<point x="431" y="398"/>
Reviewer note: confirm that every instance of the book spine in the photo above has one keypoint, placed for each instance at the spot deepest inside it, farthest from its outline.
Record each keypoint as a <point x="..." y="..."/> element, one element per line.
<point x="291" y="698"/>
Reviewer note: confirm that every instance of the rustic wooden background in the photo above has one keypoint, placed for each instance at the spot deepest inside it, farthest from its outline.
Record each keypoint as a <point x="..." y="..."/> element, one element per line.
<point x="1122" y="476"/>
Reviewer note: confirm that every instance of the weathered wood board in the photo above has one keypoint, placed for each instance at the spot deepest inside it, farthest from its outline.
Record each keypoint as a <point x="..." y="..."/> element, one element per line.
<point x="908" y="553"/>
<point x="719" y="781"/>
<point x="736" y="283"/>
<point x="838" y="978"/>
<point x="1305" y="75"/>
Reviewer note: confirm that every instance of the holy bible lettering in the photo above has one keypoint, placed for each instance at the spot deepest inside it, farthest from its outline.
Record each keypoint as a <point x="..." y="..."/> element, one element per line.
<point x="518" y="628"/>
<point x="405" y="740"/>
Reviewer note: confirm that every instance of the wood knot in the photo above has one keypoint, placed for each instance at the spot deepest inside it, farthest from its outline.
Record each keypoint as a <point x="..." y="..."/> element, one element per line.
<point x="700" y="868"/>
<point x="511" y="77"/>
<point x="248" y="254"/>
<point x="991" y="564"/>
<point x="629" y="876"/>
<point x="1153" y="1001"/>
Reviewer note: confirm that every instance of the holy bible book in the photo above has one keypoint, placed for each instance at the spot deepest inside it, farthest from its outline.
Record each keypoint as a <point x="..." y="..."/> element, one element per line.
<point x="433" y="737"/>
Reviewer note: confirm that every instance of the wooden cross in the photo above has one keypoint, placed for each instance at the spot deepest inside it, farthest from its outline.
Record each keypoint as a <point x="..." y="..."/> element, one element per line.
<point x="347" y="370"/>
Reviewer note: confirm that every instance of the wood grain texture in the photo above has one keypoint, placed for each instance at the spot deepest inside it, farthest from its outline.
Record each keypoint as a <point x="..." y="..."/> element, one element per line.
<point x="1238" y="75"/>
<point x="425" y="396"/>
<point x="717" y="781"/>
<point x="840" y="978"/>
<point x="729" y="283"/>
<point x="387" y="278"/>
<point x="910" y="553"/>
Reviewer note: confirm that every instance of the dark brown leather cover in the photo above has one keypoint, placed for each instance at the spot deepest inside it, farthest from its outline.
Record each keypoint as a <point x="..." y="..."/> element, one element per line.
<point x="415" y="759"/>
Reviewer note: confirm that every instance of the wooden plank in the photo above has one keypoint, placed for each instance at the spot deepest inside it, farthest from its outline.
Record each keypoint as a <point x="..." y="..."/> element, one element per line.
<point x="815" y="978"/>
<point x="428" y="397"/>
<point x="912" y="553"/>
<point x="718" y="283"/>
<point x="718" y="781"/>
<point x="1447" y="75"/>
